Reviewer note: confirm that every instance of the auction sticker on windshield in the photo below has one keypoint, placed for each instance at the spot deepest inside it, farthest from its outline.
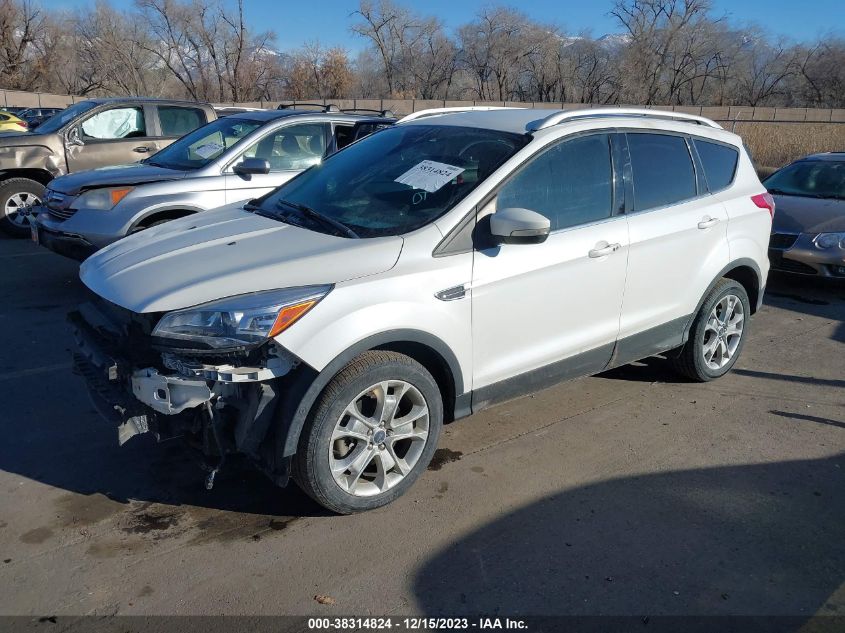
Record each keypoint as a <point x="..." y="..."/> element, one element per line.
<point x="208" y="150"/>
<point x="429" y="175"/>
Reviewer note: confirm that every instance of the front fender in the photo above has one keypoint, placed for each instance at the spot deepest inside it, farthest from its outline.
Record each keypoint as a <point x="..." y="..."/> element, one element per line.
<point x="36" y="157"/>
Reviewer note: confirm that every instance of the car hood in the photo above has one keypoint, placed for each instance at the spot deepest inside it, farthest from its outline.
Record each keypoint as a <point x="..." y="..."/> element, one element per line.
<point x="8" y="134"/>
<point x="226" y="252"/>
<point x="132" y="174"/>
<point x="794" y="214"/>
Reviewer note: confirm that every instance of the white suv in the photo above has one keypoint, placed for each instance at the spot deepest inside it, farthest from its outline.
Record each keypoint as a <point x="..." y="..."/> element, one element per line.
<point x="329" y="329"/>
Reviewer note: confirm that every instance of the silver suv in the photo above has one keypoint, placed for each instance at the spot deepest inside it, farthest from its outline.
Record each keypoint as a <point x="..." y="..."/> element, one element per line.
<point x="231" y="160"/>
<point x="442" y="265"/>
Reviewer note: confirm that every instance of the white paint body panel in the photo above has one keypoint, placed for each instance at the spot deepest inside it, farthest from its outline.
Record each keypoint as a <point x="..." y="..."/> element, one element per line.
<point x="223" y="253"/>
<point x="534" y="304"/>
<point x="672" y="261"/>
<point x="526" y="305"/>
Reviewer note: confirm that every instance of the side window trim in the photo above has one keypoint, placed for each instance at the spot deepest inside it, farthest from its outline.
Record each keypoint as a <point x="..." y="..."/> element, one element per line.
<point x="701" y="184"/>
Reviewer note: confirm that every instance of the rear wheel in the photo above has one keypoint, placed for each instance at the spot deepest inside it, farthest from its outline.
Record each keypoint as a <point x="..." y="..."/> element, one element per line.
<point x="17" y="197"/>
<point x="372" y="433"/>
<point x="718" y="333"/>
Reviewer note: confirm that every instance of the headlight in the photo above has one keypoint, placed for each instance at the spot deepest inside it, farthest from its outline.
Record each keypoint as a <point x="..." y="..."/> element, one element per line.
<point x="105" y="199"/>
<point x="829" y="240"/>
<point x="241" y="320"/>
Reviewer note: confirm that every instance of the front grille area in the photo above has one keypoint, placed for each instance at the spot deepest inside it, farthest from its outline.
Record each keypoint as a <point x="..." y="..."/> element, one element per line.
<point x="58" y="205"/>
<point x="61" y="214"/>
<point x="782" y="241"/>
<point x="779" y="262"/>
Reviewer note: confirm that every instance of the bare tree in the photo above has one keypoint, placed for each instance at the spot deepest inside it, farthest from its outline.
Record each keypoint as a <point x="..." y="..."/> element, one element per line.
<point x="24" y="38"/>
<point x="416" y="56"/>
<point x="761" y="70"/>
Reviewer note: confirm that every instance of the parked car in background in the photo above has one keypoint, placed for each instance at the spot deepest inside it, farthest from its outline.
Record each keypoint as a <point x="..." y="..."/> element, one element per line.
<point x="808" y="234"/>
<point x="12" y="123"/>
<point x="14" y="109"/>
<point x="452" y="261"/>
<point x="233" y="159"/>
<point x="88" y="134"/>
<point x="37" y="116"/>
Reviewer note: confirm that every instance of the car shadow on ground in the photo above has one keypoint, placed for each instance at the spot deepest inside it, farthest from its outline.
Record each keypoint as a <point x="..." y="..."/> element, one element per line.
<point x="761" y="539"/>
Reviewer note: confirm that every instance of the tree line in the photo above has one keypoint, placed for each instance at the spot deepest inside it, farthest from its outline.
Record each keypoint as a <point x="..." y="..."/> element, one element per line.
<point x="670" y="52"/>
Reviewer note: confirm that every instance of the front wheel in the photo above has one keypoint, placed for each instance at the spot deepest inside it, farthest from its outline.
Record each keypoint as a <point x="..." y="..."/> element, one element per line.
<point x="718" y="333"/>
<point x="371" y="435"/>
<point x="17" y="197"/>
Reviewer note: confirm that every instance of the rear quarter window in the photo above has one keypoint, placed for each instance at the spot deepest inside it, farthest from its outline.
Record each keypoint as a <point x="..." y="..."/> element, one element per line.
<point x="719" y="163"/>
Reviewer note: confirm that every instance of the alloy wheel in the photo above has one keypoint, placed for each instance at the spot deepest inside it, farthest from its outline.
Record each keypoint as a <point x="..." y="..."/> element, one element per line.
<point x="379" y="438"/>
<point x="723" y="332"/>
<point x="18" y="205"/>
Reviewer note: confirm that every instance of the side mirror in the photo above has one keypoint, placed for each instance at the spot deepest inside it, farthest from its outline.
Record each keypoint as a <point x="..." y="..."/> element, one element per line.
<point x="73" y="137"/>
<point x="519" y="226"/>
<point x="249" y="166"/>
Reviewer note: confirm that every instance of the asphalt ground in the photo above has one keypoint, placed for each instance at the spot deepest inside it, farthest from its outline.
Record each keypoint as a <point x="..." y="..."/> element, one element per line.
<point x="632" y="492"/>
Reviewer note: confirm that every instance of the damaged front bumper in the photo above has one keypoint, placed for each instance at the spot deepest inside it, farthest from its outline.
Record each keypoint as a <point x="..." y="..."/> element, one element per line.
<point x="217" y="407"/>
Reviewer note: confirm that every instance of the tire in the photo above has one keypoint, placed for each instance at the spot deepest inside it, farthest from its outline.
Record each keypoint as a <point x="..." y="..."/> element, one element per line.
<point x="14" y="193"/>
<point x="695" y="359"/>
<point x="387" y="465"/>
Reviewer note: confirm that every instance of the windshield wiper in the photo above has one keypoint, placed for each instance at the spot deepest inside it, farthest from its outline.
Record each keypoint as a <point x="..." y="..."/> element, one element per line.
<point x="323" y="219"/>
<point x="797" y="194"/>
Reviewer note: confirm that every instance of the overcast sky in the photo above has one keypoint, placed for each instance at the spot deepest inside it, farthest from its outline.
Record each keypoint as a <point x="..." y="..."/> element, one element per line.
<point x="297" y="22"/>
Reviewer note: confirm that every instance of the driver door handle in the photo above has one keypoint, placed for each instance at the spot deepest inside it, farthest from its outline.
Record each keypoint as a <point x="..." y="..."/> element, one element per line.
<point x="603" y="248"/>
<point x="141" y="149"/>
<point x="707" y="222"/>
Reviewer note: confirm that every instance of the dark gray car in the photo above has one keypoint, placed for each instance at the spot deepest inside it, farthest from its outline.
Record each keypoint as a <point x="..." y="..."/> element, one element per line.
<point x="808" y="232"/>
<point x="88" y="134"/>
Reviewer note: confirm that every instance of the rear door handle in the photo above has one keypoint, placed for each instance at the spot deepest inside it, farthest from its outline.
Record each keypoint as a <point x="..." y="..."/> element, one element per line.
<point x="141" y="149"/>
<point x="707" y="222"/>
<point x="603" y="248"/>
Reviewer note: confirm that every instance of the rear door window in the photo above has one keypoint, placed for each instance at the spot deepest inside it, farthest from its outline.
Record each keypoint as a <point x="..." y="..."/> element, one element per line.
<point x="662" y="170"/>
<point x="719" y="163"/>
<point x="178" y="120"/>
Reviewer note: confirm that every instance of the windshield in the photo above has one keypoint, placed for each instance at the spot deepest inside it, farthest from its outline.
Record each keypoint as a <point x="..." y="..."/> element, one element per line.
<point x="204" y="144"/>
<point x="813" y="178"/>
<point x="59" y="120"/>
<point x="397" y="180"/>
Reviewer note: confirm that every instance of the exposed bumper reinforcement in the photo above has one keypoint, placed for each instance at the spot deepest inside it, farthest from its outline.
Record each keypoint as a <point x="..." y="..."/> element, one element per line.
<point x="168" y="394"/>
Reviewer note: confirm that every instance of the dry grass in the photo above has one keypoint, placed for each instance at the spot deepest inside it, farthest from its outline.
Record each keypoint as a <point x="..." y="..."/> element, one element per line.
<point x="776" y="144"/>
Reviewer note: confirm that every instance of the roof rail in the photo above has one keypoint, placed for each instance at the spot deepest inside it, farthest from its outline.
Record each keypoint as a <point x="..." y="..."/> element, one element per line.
<point x="419" y="114"/>
<point x="324" y="107"/>
<point x="568" y="115"/>
<point x="383" y="113"/>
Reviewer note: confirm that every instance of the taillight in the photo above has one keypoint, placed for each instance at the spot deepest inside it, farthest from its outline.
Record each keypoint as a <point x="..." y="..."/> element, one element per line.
<point x="765" y="201"/>
<point x="22" y="123"/>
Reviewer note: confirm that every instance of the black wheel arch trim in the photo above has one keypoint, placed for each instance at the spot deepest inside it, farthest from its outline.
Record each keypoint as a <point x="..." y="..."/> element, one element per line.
<point x="304" y="387"/>
<point x="738" y="263"/>
<point x="183" y="210"/>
